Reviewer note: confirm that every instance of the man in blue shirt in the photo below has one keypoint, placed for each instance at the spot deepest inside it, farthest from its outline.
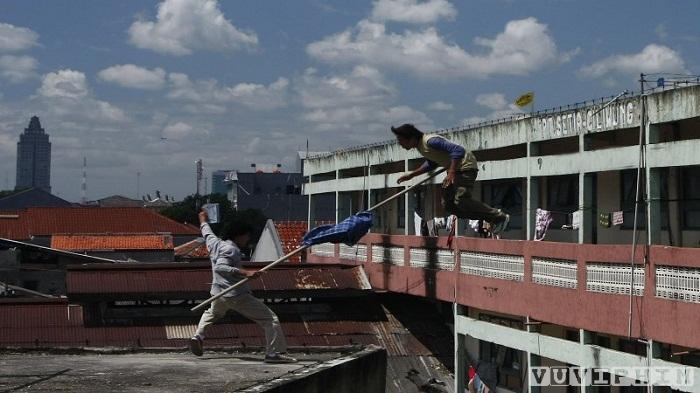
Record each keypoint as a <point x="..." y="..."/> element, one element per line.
<point x="462" y="169"/>
<point x="226" y="256"/>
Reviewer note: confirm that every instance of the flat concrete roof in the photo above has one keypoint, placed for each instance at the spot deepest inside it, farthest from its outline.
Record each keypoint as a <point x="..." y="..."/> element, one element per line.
<point x="153" y="371"/>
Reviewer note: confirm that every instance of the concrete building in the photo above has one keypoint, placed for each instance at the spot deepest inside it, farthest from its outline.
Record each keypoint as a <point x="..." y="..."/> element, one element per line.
<point x="34" y="158"/>
<point x="585" y="296"/>
<point x="218" y="184"/>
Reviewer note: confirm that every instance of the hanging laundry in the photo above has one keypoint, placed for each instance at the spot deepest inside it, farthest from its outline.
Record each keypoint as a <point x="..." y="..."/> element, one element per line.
<point x="417" y="222"/>
<point x="452" y="228"/>
<point x="440" y="222"/>
<point x="543" y="218"/>
<point x="604" y="220"/>
<point x="618" y="218"/>
<point x="475" y="225"/>
<point x="431" y="227"/>
<point x="576" y="218"/>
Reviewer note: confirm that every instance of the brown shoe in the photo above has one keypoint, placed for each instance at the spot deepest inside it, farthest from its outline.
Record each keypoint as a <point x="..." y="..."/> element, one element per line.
<point x="279" y="358"/>
<point x="196" y="346"/>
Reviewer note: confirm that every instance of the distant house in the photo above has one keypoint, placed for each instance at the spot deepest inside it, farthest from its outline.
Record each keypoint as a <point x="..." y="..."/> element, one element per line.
<point x="118" y="201"/>
<point x="38" y="224"/>
<point x="30" y="197"/>
<point x="137" y="247"/>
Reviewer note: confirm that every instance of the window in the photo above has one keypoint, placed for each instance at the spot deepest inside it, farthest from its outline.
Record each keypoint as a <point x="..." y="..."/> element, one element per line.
<point x="508" y="196"/>
<point x="628" y="194"/>
<point x="562" y="198"/>
<point x="690" y="178"/>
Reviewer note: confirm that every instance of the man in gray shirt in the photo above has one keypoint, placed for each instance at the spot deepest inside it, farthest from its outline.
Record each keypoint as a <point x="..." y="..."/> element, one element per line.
<point x="225" y="256"/>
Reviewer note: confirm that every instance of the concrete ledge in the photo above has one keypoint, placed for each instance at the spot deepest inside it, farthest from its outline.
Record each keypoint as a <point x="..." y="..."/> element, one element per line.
<point x="361" y="371"/>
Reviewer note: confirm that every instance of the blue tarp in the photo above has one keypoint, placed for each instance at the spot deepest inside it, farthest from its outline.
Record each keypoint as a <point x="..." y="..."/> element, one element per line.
<point x="349" y="231"/>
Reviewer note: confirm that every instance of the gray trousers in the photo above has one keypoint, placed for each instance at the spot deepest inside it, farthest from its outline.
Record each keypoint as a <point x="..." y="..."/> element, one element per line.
<point x="252" y="308"/>
<point x="457" y="199"/>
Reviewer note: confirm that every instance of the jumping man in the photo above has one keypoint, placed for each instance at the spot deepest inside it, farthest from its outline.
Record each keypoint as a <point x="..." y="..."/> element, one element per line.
<point x="462" y="170"/>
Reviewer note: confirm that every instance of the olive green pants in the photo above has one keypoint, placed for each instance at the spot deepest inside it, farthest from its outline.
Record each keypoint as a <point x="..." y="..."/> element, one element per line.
<point x="457" y="200"/>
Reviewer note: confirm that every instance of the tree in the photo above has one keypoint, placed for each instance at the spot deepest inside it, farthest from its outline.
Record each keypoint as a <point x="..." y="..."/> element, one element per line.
<point x="186" y="212"/>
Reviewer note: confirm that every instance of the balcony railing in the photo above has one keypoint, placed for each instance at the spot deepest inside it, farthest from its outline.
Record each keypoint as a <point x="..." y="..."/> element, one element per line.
<point x="576" y="285"/>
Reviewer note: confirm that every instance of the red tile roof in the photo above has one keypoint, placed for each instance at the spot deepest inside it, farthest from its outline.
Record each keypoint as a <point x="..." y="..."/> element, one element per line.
<point x="82" y="220"/>
<point x="291" y="233"/>
<point x="111" y="242"/>
<point x="194" y="249"/>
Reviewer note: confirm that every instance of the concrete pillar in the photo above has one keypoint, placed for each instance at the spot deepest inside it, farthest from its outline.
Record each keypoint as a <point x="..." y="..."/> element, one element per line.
<point x="405" y="204"/>
<point x="533" y="198"/>
<point x="533" y="360"/>
<point x="308" y="222"/>
<point x="654" y="352"/>
<point x="586" y="202"/>
<point x="674" y="207"/>
<point x="460" y="352"/>
<point x="533" y="195"/>
<point x="337" y="194"/>
<point x="653" y="192"/>
<point x="585" y="338"/>
<point x="369" y="188"/>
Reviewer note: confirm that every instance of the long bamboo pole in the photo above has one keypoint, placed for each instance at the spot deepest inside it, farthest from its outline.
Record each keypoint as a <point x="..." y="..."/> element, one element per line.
<point x="304" y="247"/>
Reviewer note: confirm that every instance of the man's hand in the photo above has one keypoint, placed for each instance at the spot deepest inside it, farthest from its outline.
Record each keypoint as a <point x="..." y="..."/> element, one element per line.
<point x="449" y="179"/>
<point x="405" y="177"/>
<point x="203" y="217"/>
<point x="249" y="274"/>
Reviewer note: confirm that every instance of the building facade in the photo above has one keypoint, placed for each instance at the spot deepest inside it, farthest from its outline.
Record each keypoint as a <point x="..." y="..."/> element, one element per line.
<point x="584" y="296"/>
<point x="34" y="158"/>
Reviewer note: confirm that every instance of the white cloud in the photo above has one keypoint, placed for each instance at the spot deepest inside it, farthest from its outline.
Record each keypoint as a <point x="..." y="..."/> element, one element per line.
<point x="413" y="11"/>
<point x="135" y="77"/>
<point x="524" y="46"/>
<point x="499" y="108"/>
<point x="653" y="58"/>
<point x="65" y="93"/>
<point x="493" y="101"/>
<point x="208" y="92"/>
<point x="184" y="26"/>
<point x="361" y="103"/>
<point x="661" y="31"/>
<point x="181" y="130"/>
<point x="17" y="68"/>
<point x="440" y="106"/>
<point x="364" y="85"/>
<point x="13" y="38"/>
<point x="64" y="83"/>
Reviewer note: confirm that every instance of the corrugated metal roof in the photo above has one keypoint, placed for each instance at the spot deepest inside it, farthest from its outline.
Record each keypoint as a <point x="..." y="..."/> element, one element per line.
<point x="179" y="278"/>
<point x="112" y="242"/>
<point x="41" y="221"/>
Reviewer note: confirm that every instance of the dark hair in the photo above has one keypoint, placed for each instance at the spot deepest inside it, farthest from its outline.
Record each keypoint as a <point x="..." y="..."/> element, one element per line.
<point x="234" y="229"/>
<point x="407" y="131"/>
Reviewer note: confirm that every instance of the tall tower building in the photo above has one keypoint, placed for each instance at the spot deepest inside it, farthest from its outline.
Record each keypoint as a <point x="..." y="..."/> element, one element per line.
<point x="34" y="158"/>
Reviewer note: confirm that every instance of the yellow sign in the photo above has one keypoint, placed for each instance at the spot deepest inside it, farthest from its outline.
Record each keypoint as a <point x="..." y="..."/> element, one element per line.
<point x="525" y="99"/>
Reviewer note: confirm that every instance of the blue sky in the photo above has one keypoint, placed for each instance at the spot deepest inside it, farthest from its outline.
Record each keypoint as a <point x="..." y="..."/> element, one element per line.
<point x="149" y="86"/>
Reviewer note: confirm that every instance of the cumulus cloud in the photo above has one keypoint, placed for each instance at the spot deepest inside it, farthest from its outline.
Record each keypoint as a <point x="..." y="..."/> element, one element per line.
<point x="208" y="92"/>
<point x="440" y="106"/>
<point x="361" y="101"/>
<point x="135" y="77"/>
<point x="184" y="26"/>
<point x="13" y="38"/>
<point x="181" y="130"/>
<point x="66" y="94"/>
<point x="413" y="11"/>
<point x="523" y="47"/>
<point x="364" y="85"/>
<point x="64" y="83"/>
<point x="653" y="58"/>
<point x="17" y="68"/>
<point x="497" y="104"/>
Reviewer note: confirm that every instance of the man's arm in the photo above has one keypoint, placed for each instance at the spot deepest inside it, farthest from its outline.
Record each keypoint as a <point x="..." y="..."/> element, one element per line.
<point x="209" y="237"/>
<point x="456" y="152"/>
<point x="427" y="166"/>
